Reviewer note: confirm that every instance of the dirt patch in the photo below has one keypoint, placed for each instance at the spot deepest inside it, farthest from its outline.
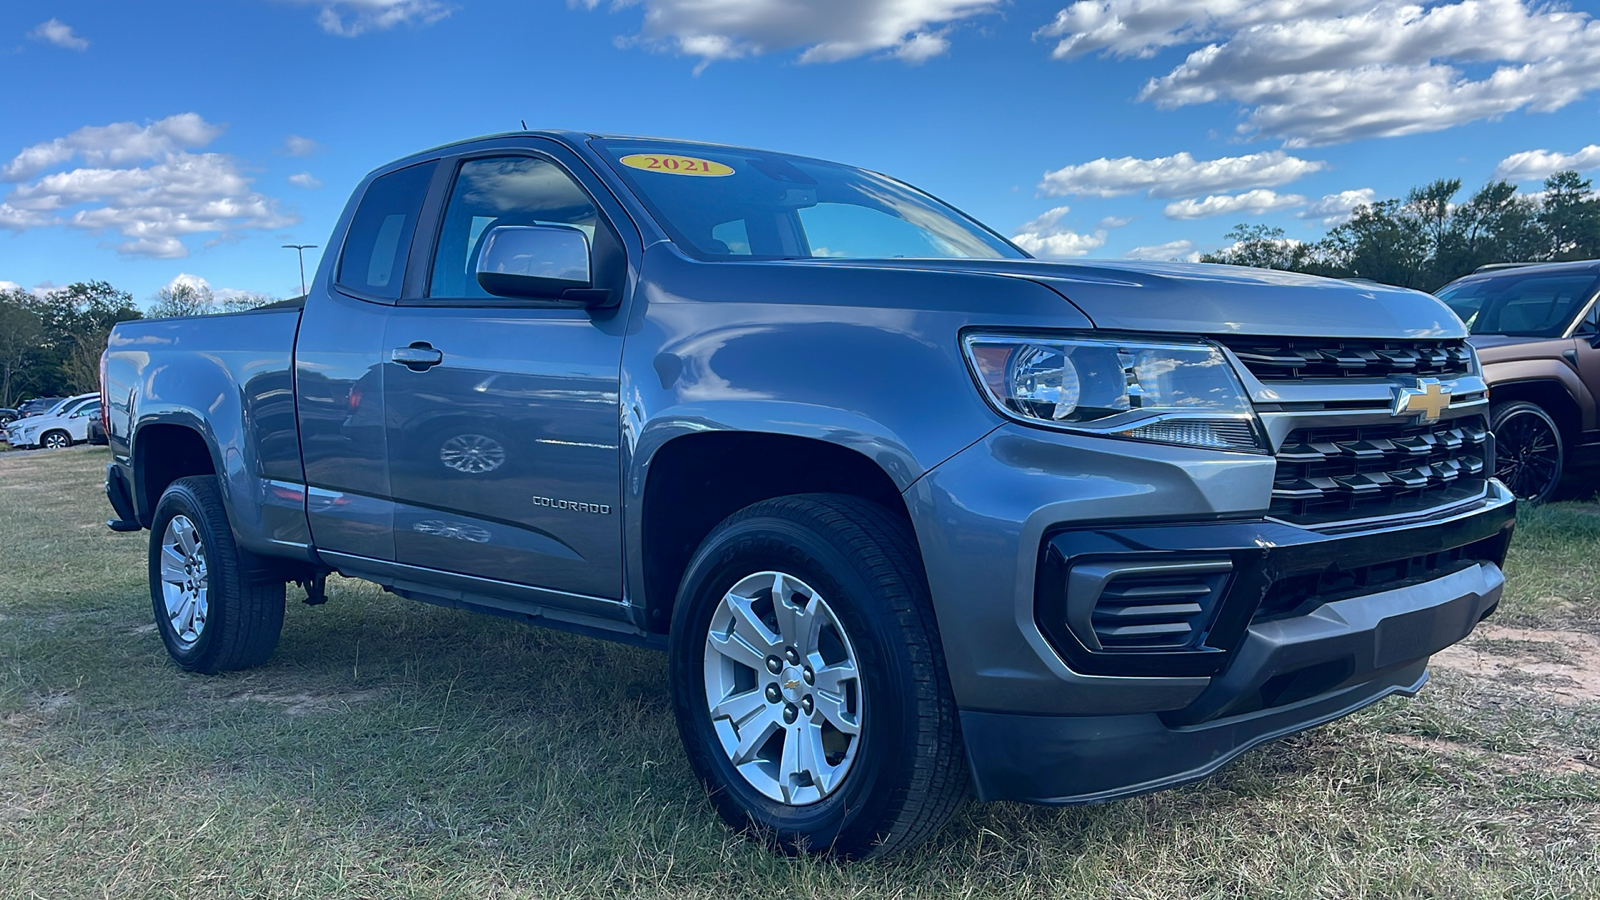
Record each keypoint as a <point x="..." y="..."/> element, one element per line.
<point x="1566" y="664"/>
<point x="39" y="710"/>
<point x="302" y="703"/>
<point x="1517" y="763"/>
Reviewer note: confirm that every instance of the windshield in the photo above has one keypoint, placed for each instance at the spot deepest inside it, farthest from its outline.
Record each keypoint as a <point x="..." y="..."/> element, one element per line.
<point x="720" y="203"/>
<point x="1531" y="305"/>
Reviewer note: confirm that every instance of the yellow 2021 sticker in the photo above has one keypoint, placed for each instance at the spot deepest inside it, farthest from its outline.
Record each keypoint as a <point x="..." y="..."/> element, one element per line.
<point x="676" y="165"/>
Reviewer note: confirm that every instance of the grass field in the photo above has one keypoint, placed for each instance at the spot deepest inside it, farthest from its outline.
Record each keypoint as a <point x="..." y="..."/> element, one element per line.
<point x="392" y="749"/>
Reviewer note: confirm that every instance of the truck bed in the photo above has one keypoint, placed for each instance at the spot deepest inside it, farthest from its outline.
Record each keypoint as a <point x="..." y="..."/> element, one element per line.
<point x="231" y="378"/>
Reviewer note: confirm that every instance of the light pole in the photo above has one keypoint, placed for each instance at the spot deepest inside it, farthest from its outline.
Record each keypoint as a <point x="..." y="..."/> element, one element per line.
<point x="300" y="250"/>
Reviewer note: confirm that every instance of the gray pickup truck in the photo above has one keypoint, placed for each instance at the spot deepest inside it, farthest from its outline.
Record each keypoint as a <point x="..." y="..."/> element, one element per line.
<point x="912" y="514"/>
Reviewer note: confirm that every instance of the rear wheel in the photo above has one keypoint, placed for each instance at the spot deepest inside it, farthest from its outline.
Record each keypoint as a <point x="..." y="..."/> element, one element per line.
<point x="212" y="612"/>
<point x="55" y="440"/>
<point x="809" y="681"/>
<point x="1529" y="455"/>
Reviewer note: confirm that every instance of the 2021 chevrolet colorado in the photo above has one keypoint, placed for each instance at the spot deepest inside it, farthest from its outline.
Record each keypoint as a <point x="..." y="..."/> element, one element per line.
<point x="911" y="512"/>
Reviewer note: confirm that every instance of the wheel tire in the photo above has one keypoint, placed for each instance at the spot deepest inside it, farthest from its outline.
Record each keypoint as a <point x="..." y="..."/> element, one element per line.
<point x="908" y="773"/>
<point x="240" y="614"/>
<point x="1529" y="454"/>
<point x="55" y="440"/>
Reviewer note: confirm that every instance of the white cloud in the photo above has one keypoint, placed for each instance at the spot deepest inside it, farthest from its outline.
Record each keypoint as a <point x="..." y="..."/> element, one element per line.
<point x="1252" y="203"/>
<point x="295" y="145"/>
<point x="1046" y="236"/>
<point x="122" y="142"/>
<point x="1115" y="221"/>
<point x="824" y="30"/>
<point x="352" y="18"/>
<point x="60" y="34"/>
<point x="305" y="180"/>
<point x="1140" y="28"/>
<point x="1176" y="175"/>
<point x="184" y="279"/>
<point x="1335" y="209"/>
<point x="154" y="206"/>
<point x="1180" y="250"/>
<point x="1537" y="165"/>
<point x="921" y="47"/>
<point x="9" y="285"/>
<point x="1329" y="71"/>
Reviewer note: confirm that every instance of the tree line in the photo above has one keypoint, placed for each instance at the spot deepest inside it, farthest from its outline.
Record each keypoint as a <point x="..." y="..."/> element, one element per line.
<point x="51" y="341"/>
<point x="1429" y="239"/>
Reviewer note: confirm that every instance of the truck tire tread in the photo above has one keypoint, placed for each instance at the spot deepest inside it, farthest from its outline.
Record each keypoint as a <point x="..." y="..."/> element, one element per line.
<point x="252" y="606"/>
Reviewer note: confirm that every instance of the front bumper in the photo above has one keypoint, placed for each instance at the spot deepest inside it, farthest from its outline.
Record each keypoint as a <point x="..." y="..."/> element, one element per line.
<point x="1346" y="618"/>
<point x="1343" y="656"/>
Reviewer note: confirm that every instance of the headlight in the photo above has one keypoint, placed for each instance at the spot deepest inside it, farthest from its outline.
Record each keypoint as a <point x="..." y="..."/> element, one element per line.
<point x="1171" y="392"/>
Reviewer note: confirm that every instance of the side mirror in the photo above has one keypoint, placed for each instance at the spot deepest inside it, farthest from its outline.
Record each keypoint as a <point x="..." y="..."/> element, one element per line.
<point x="536" y="261"/>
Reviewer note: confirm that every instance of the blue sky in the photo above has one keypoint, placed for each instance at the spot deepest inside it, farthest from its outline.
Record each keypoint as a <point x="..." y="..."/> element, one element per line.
<point x="144" y="141"/>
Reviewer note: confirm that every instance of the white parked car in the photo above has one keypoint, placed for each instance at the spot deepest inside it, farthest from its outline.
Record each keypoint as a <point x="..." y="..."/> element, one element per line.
<point x="60" y="430"/>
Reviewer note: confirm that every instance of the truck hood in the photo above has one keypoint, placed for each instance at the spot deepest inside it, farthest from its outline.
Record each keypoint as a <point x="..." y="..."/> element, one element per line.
<point x="1198" y="298"/>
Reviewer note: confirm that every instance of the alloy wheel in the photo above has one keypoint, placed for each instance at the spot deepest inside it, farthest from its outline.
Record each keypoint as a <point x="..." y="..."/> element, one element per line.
<point x="1527" y="454"/>
<point x="56" y="441"/>
<point x="783" y="688"/>
<point x="184" y="580"/>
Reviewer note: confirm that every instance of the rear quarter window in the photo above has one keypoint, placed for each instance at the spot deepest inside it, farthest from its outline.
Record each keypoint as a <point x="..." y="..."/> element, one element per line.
<point x="379" y="241"/>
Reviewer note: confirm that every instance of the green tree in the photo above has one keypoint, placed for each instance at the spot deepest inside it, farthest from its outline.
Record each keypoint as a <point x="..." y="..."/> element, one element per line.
<point x="183" y="300"/>
<point x="1262" y="247"/>
<point x="1383" y="241"/>
<point x="1495" y="225"/>
<point x="1429" y="239"/>
<point x="21" y="336"/>
<point x="1570" y="217"/>
<point x="76" y="320"/>
<point x="243" y="302"/>
<point x="200" y="300"/>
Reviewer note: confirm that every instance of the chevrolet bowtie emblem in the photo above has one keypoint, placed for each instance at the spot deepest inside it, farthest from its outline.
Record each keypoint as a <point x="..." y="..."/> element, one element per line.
<point x="1427" y="401"/>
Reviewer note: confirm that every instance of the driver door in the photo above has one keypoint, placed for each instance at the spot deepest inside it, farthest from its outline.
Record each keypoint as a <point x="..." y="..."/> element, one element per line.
<point x="504" y="457"/>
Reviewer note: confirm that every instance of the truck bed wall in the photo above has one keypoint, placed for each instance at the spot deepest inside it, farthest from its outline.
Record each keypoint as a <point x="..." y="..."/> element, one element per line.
<point x="228" y="378"/>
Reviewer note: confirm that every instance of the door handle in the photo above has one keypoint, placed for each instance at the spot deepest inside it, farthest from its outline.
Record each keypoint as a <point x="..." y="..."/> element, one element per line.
<point x="419" y="357"/>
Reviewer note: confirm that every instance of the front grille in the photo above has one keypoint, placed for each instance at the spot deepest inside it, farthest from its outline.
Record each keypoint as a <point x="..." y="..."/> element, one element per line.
<point x="1326" y="475"/>
<point x="1298" y="595"/>
<point x="1293" y="359"/>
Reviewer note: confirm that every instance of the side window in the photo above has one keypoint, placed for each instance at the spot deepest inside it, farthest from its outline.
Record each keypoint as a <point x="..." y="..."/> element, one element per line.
<point x="504" y="190"/>
<point x="375" y="250"/>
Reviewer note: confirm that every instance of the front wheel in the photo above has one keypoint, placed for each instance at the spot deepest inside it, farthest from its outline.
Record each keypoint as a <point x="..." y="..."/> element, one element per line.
<point x="1529" y="456"/>
<point x="809" y="682"/>
<point x="213" y="613"/>
<point x="55" y="440"/>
